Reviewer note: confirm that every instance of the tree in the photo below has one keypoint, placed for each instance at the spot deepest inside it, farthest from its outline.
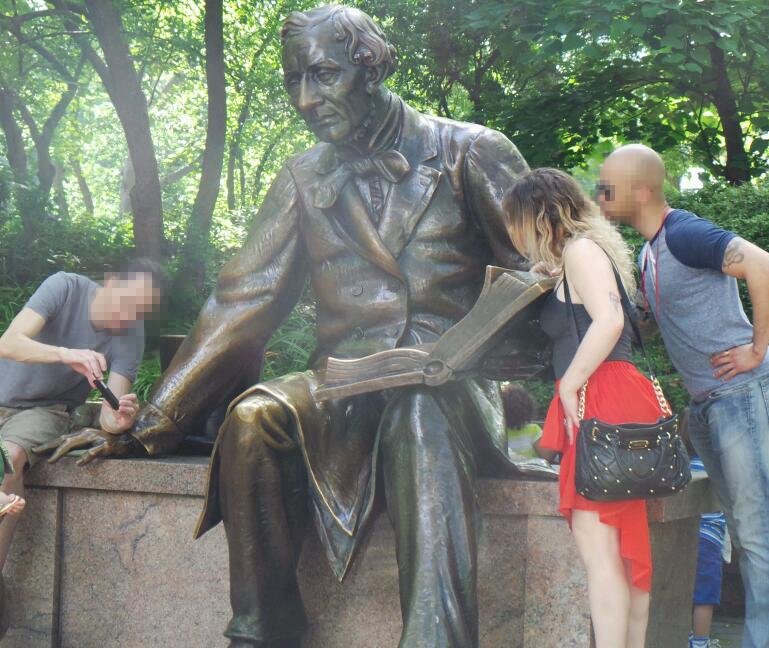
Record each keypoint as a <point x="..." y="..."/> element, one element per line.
<point x="122" y="83"/>
<point x="30" y="74"/>
<point x="663" y="71"/>
<point x="192" y="274"/>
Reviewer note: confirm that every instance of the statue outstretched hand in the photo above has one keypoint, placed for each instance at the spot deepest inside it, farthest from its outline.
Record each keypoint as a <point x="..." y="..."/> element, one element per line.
<point x="102" y="444"/>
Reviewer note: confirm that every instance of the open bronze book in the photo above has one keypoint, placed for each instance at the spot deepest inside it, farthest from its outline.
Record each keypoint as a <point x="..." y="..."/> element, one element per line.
<point x="498" y="338"/>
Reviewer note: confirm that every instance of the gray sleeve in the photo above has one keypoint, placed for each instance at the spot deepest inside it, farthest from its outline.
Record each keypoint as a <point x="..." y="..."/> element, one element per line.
<point x="127" y="352"/>
<point x="50" y="297"/>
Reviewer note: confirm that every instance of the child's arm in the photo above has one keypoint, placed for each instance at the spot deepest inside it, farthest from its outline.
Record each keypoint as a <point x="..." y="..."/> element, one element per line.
<point x="544" y="453"/>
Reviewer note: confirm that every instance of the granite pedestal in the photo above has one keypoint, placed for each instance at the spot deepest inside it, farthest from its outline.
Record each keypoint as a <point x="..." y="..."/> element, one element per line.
<point x="104" y="558"/>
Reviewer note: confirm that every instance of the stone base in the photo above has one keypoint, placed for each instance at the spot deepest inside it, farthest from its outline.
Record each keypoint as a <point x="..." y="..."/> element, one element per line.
<point x="104" y="558"/>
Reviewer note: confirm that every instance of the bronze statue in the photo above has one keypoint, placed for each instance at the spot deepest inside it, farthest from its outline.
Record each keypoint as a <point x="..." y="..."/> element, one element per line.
<point x="394" y="217"/>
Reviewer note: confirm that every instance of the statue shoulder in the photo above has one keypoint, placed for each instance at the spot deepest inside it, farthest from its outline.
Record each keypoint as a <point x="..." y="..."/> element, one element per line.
<point x="481" y="140"/>
<point x="301" y="163"/>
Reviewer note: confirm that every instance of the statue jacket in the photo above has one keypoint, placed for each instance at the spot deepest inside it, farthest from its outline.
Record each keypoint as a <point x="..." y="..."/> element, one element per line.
<point x="399" y="281"/>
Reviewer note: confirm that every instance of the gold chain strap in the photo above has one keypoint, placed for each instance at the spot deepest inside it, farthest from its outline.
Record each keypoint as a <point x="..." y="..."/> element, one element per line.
<point x="663" y="403"/>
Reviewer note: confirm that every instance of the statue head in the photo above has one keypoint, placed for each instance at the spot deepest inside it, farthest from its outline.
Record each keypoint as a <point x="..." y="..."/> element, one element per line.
<point x="335" y="60"/>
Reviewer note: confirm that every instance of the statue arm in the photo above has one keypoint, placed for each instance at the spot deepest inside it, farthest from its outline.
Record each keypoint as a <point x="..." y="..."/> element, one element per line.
<point x="492" y="163"/>
<point x="256" y="289"/>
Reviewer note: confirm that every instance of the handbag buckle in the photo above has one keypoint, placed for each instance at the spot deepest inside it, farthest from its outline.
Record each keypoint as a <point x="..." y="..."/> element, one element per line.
<point x="638" y="444"/>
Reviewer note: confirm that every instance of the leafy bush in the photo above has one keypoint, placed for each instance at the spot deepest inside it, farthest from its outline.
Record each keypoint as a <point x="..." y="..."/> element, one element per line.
<point x="12" y="300"/>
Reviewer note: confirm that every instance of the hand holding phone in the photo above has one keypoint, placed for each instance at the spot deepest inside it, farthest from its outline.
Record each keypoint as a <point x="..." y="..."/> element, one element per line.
<point x="109" y="396"/>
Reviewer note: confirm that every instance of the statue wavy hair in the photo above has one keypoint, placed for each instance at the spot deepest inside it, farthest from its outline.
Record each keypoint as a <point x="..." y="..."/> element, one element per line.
<point x="366" y="44"/>
<point x="546" y="209"/>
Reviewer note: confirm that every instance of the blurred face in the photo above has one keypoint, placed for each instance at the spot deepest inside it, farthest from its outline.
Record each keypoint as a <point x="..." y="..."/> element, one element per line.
<point x="128" y="300"/>
<point x="327" y="91"/>
<point x="615" y="192"/>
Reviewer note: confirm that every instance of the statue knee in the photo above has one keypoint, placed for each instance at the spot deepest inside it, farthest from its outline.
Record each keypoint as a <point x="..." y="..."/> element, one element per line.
<point x="253" y="423"/>
<point x="402" y="419"/>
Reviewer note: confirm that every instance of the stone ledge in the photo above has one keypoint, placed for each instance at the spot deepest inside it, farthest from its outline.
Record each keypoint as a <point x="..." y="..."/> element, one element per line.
<point x="104" y="558"/>
<point x="187" y="476"/>
<point x="163" y="476"/>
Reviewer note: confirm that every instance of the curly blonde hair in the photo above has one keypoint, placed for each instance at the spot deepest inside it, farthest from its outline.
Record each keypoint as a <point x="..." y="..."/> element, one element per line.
<point x="546" y="209"/>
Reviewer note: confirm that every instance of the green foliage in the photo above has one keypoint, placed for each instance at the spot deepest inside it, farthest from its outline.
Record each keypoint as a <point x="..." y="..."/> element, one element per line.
<point x="12" y="300"/>
<point x="290" y="346"/>
<point x="570" y="73"/>
<point x="149" y="372"/>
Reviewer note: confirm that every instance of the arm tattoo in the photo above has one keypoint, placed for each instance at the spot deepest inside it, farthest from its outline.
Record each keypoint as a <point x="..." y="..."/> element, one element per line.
<point x="614" y="300"/>
<point x="733" y="254"/>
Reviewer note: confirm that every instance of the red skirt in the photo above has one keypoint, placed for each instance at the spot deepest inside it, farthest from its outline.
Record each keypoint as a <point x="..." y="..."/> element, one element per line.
<point x="617" y="393"/>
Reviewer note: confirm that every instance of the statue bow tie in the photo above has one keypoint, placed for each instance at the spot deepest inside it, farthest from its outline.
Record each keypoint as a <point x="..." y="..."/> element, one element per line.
<point x="390" y="164"/>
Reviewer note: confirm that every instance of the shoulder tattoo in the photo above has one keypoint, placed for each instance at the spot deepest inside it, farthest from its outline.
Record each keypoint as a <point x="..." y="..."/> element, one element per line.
<point x="733" y="253"/>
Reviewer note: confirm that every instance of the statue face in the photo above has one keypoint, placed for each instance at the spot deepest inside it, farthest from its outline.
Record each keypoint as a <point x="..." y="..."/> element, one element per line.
<point x="326" y="89"/>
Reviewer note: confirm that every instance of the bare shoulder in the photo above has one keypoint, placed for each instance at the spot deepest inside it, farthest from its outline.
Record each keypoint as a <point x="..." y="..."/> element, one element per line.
<point x="584" y="252"/>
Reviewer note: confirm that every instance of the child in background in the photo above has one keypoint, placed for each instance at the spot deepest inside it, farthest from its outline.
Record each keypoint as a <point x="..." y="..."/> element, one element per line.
<point x="522" y="433"/>
<point x="714" y="549"/>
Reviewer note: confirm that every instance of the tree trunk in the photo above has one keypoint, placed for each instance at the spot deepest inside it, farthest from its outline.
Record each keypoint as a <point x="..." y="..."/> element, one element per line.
<point x="27" y="202"/>
<point x="232" y="154"/>
<point x="85" y="191"/>
<point x="737" y="169"/>
<point x="263" y="162"/>
<point x="192" y="270"/>
<point x="58" y="190"/>
<point x="122" y="84"/>
<point x="14" y="140"/>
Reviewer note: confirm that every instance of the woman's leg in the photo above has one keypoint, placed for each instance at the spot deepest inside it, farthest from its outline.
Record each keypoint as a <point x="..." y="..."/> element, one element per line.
<point x="638" y="618"/>
<point x="607" y="584"/>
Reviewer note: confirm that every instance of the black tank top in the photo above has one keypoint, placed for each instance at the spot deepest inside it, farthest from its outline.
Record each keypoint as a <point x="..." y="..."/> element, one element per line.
<point x="557" y="323"/>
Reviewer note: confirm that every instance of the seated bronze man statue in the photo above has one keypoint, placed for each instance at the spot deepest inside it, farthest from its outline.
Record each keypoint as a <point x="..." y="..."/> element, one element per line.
<point x="393" y="217"/>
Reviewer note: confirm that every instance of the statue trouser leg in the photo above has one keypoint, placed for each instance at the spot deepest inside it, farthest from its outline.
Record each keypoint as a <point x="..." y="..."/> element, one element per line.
<point x="262" y="497"/>
<point x="429" y="471"/>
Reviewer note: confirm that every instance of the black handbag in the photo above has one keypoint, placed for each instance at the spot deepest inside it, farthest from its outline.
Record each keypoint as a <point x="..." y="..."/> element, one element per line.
<point x="629" y="460"/>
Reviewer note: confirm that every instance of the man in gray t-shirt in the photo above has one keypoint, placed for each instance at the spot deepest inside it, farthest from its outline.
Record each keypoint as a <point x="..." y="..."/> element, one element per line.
<point x="689" y="273"/>
<point x="68" y="335"/>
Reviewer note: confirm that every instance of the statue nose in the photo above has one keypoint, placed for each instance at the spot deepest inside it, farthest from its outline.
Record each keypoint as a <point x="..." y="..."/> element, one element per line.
<point x="308" y="98"/>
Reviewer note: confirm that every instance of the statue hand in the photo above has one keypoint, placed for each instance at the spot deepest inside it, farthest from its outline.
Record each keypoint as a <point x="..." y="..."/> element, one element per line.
<point x="102" y="444"/>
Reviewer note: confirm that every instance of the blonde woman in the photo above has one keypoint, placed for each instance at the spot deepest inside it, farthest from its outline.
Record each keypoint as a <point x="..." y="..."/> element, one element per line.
<point x="553" y="223"/>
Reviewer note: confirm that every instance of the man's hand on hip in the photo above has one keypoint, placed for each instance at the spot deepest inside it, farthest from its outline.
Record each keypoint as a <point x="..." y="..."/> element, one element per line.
<point x="728" y="364"/>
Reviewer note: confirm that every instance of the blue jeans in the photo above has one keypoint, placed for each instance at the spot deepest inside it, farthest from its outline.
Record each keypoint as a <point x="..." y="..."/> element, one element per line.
<point x="730" y="431"/>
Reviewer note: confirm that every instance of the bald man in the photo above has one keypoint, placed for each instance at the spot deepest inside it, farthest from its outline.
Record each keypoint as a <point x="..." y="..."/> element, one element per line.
<point x="689" y="273"/>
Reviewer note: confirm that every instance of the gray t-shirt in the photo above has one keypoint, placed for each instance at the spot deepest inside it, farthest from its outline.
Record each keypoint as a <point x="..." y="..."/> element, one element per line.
<point x="697" y="307"/>
<point x="64" y="300"/>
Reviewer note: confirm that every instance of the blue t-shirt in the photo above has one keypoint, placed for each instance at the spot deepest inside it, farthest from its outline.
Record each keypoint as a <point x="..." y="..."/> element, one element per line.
<point x="696" y="305"/>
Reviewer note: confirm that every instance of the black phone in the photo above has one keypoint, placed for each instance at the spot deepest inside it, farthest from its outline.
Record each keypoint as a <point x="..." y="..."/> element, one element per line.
<point x="107" y="393"/>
